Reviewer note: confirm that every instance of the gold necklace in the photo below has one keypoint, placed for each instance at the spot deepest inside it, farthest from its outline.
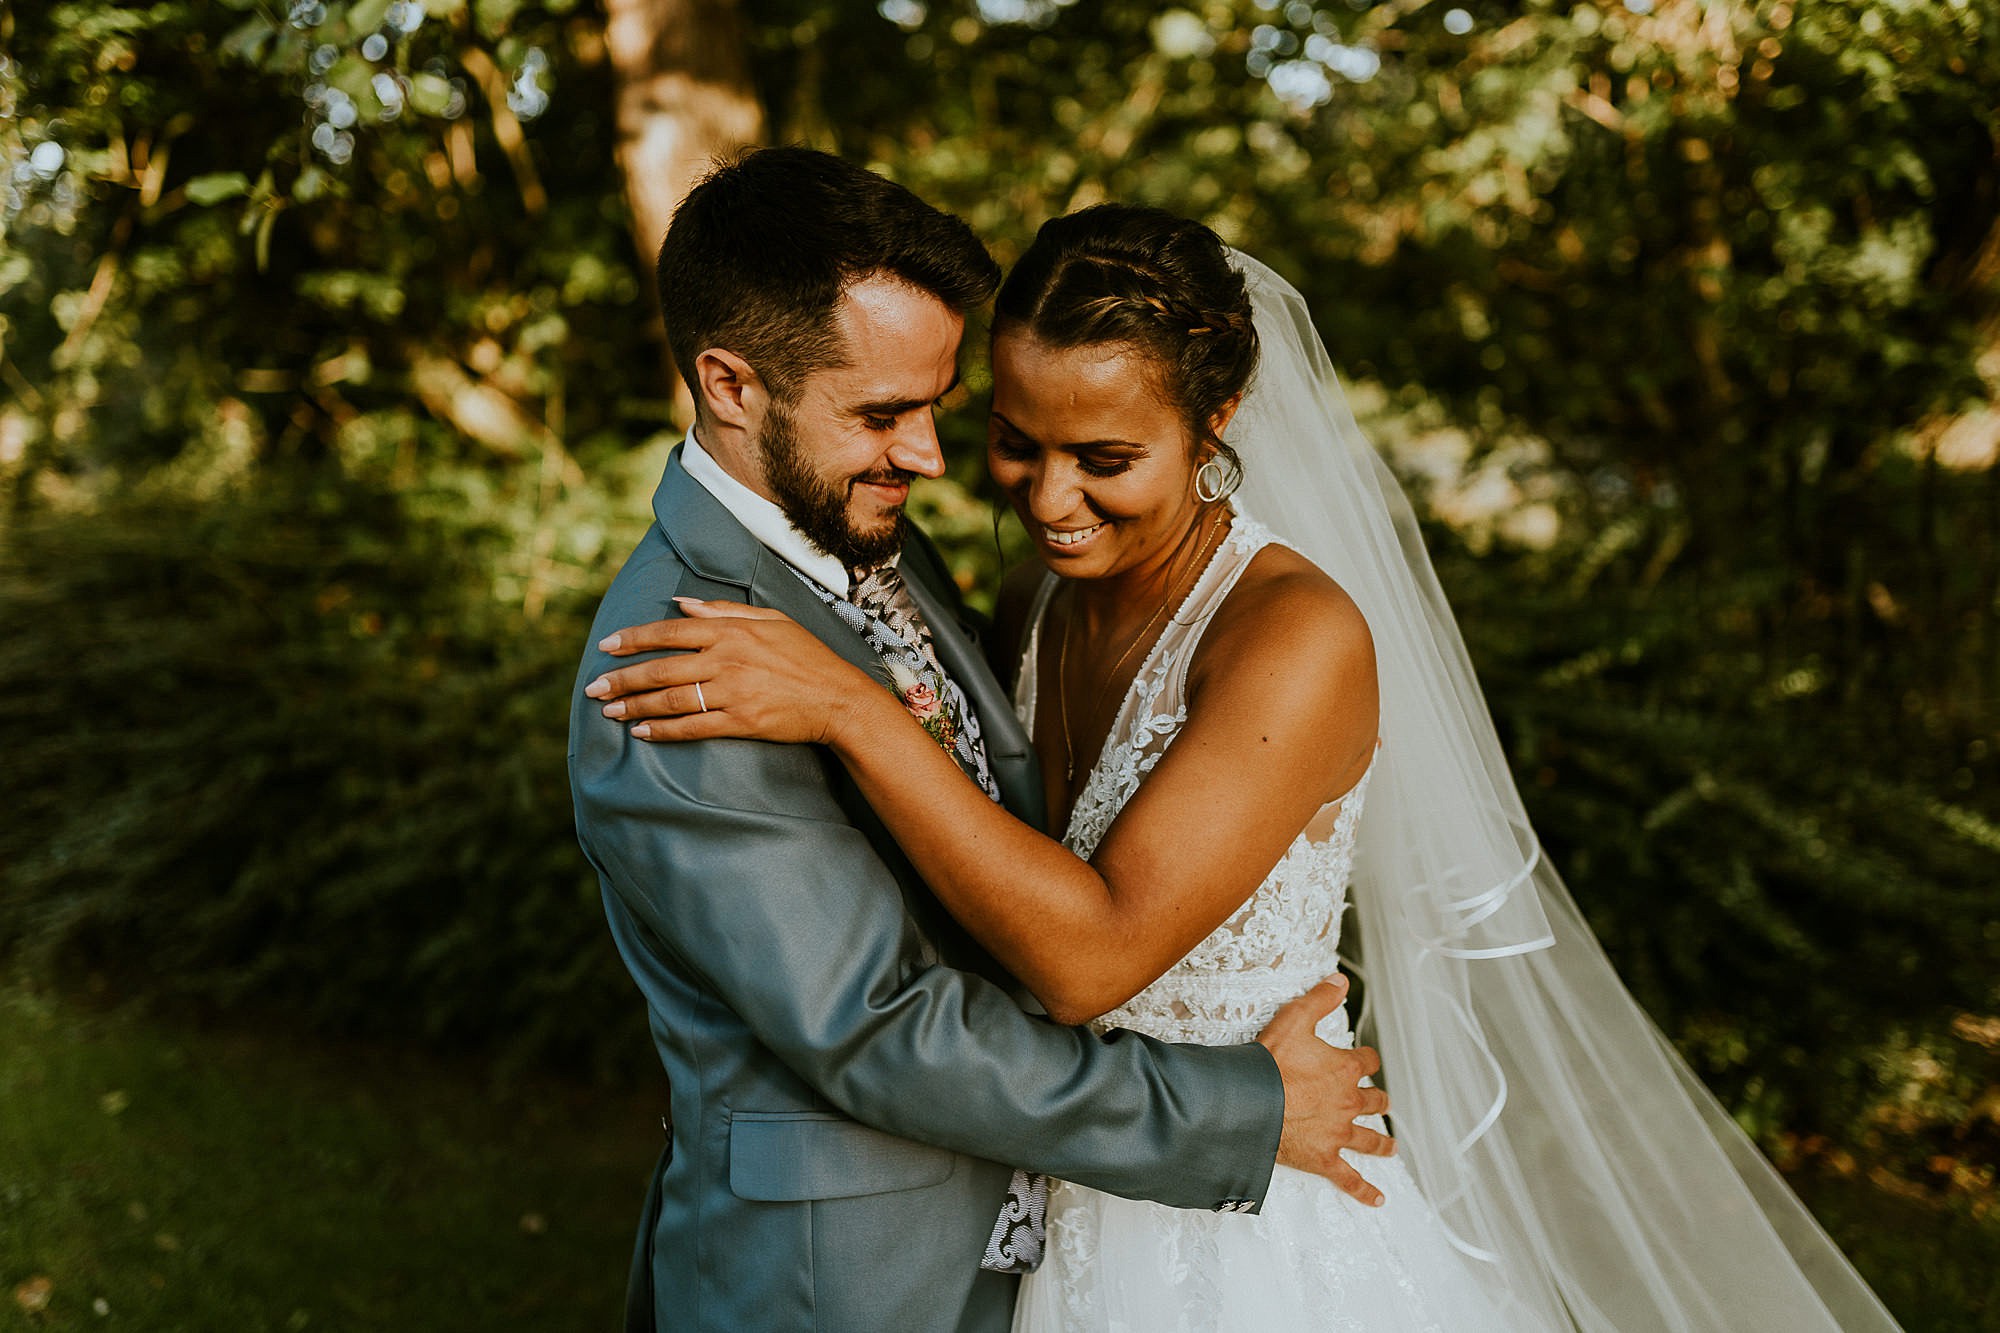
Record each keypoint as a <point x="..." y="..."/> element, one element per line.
<point x="1062" y="655"/>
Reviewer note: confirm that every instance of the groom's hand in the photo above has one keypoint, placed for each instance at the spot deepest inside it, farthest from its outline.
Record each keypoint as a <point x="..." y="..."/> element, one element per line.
<point x="1323" y="1093"/>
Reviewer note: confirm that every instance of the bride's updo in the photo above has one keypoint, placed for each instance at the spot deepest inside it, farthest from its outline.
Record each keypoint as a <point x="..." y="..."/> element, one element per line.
<point x="1119" y="273"/>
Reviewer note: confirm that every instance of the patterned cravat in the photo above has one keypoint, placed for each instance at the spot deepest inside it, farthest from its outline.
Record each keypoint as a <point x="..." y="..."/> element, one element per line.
<point x="895" y="629"/>
<point x="881" y="592"/>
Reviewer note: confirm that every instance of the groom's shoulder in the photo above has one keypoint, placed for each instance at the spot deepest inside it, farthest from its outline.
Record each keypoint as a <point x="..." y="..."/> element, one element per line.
<point x="644" y="587"/>
<point x="659" y="569"/>
<point x="604" y="759"/>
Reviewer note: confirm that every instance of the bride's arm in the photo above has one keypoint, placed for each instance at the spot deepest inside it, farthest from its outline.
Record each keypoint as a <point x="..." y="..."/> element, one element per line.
<point x="1281" y="719"/>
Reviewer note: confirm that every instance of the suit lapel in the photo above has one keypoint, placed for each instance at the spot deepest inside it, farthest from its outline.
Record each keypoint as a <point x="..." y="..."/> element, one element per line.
<point x="720" y="550"/>
<point x="777" y="586"/>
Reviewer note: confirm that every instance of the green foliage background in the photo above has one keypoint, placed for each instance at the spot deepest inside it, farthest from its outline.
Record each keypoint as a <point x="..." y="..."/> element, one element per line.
<point x="310" y="474"/>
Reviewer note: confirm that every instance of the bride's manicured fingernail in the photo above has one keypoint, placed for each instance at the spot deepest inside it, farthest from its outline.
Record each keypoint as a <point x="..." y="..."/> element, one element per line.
<point x="609" y="643"/>
<point x="600" y="687"/>
<point x="615" y="709"/>
<point x="642" y="730"/>
<point x="690" y="601"/>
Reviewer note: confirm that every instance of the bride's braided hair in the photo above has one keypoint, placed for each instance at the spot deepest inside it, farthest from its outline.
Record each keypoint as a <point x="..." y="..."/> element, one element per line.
<point x="1119" y="273"/>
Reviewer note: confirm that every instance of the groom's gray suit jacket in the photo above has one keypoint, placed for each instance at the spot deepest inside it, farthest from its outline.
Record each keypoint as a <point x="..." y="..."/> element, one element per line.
<point x="849" y="1070"/>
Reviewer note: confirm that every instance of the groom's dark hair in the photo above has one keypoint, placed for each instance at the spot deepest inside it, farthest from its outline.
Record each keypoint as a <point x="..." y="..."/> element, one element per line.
<point x="762" y="248"/>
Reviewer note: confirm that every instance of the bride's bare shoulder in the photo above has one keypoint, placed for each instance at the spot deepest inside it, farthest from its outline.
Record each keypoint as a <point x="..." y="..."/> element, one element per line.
<point x="1286" y="608"/>
<point x="1289" y="644"/>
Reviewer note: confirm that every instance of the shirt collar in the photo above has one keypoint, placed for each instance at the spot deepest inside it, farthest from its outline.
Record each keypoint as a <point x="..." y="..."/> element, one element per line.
<point x="765" y="521"/>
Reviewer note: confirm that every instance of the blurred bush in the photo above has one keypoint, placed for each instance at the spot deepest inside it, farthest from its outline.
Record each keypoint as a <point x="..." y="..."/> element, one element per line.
<point x="284" y="751"/>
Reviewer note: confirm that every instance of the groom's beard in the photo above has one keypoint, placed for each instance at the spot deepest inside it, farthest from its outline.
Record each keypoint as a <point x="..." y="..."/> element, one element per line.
<point x="819" y="506"/>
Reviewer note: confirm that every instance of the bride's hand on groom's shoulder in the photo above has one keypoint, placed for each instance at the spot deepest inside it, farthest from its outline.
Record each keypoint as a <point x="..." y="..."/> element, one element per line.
<point x="731" y="670"/>
<point x="1324" y="1093"/>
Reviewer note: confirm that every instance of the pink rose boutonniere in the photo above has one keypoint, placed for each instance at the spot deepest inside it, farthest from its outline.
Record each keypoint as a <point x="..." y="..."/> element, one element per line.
<point x="922" y="701"/>
<point x="926" y="705"/>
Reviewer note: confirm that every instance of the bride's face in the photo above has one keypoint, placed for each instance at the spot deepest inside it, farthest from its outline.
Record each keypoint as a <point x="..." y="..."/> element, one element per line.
<point x="1094" y="460"/>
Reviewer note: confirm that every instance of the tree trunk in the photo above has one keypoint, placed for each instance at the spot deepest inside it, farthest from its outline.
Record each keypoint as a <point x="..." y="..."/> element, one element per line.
<point x="684" y="97"/>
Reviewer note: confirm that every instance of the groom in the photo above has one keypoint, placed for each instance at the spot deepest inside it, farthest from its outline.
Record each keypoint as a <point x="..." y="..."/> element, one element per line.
<point x="854" y="1081"/>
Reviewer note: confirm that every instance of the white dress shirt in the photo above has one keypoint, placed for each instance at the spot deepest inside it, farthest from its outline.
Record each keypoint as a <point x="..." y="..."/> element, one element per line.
<point x="765" y="521"/>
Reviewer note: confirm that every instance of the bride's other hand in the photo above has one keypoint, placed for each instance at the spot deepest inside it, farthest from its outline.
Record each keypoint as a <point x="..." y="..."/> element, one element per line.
<point x="735" y="670"/>
<point x="1324" y="1093"/>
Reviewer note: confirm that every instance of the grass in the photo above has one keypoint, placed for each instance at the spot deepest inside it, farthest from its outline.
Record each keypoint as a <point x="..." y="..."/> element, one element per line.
<point x="161" y="1177"/>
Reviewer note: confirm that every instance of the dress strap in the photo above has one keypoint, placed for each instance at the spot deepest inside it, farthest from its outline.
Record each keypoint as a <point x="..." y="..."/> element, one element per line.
<point x="1027" y="673"/>
<point x="1225" y="570"/>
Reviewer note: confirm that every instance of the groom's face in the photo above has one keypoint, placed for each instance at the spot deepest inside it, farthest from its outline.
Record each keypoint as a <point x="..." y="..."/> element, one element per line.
<point x="839" y="455"/>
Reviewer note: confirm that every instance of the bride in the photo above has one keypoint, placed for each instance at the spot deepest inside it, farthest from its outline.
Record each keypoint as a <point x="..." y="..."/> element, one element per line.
<point x="1240" y="728"/>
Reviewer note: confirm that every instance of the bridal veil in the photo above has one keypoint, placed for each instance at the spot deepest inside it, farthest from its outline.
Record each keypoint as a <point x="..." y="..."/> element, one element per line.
<point x="1576" y="1159"/>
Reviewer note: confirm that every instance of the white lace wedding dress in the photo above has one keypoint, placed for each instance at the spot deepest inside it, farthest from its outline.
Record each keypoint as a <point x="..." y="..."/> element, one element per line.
<point x="1312" y="1258"/>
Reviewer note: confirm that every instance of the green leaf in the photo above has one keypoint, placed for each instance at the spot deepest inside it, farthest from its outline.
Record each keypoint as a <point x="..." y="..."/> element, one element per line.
<point x="264" y="239"/>
<point x="311" y="184"/>
<point x="216" y="187"/>
<point x="430" y="94"/>
<point x="367" y="16"/>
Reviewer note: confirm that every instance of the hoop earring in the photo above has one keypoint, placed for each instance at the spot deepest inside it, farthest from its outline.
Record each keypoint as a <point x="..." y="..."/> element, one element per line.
<point x="1208" y="490"/>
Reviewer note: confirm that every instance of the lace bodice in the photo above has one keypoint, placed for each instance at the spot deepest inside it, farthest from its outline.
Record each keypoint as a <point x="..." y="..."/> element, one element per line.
<point x="1286" y="935"/>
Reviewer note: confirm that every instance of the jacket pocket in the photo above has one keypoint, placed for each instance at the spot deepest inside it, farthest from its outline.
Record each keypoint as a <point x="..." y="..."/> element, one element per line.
<point x="795" y="1155"/>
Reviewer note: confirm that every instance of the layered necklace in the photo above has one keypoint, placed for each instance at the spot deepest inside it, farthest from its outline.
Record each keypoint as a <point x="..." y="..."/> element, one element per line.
<point x="1097" y="696"/>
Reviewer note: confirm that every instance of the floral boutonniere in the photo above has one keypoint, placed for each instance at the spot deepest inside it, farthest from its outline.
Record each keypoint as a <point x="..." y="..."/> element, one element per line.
<point x="920" y="694"/>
